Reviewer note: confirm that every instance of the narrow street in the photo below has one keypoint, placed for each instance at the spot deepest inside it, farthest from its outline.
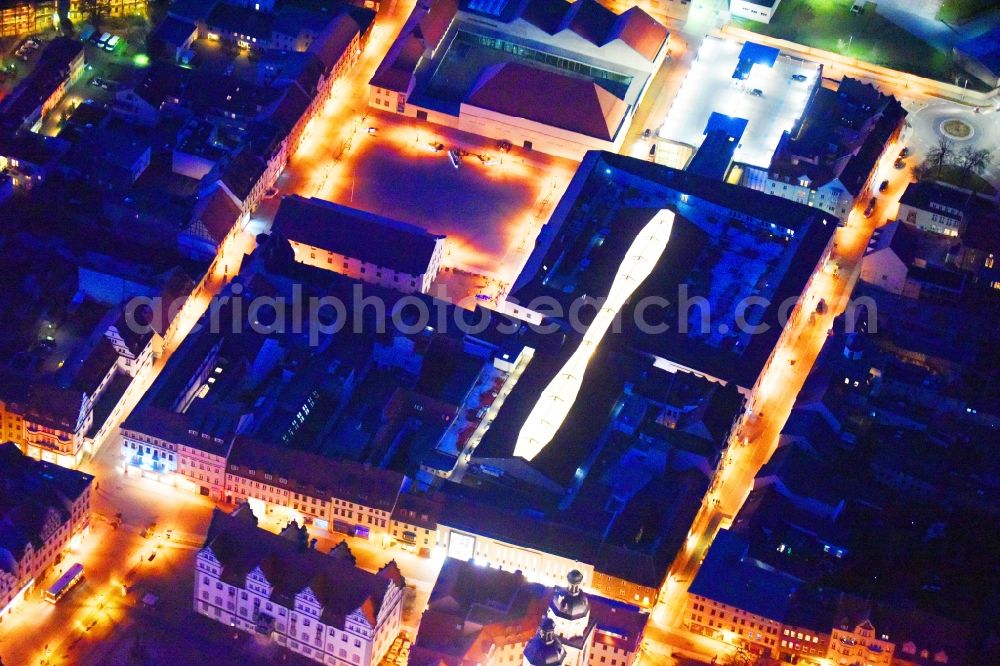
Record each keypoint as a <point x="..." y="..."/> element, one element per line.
<point x="774" y="399"/>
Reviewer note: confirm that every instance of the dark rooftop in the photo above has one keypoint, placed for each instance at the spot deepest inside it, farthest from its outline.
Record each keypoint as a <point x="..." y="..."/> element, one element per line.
<point x="341" y="588"/>
<point x="725" y="577"/>
<point x="355" y="233"/>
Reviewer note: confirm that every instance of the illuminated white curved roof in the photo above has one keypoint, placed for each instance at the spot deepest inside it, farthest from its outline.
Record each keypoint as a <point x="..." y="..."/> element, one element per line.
<point x="554" y="404"/>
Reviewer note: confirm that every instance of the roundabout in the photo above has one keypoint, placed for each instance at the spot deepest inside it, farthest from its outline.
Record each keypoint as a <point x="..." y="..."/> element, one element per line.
<point x="928" y="124"/>
<point x="957" y="130"/>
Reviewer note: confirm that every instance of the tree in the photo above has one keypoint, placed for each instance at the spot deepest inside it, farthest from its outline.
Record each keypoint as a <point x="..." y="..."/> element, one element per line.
<point x="742" y="657"/>
<point x="972" y="161"/>
<point x="942" y="154"/>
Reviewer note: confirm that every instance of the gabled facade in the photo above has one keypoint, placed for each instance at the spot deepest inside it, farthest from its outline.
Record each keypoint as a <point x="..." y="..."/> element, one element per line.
<point x="45" y="511"/>
<point x="276" y="587"/>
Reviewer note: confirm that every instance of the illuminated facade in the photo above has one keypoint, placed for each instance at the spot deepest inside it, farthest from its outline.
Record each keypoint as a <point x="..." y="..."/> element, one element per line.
<point x="361" y="245"/>
<point x="319" y="606"/>
<point x="556" y="400"/>
<point x="55" y="425"/>
<point x="59" y="498"/>
<point x="755" y="10"/>
<point x="830" y="158"/>
<point x="859" y="645"/>
<point x="332" y="495"/>
<point x="27" y="17"/>
<point x="80" y="11"/>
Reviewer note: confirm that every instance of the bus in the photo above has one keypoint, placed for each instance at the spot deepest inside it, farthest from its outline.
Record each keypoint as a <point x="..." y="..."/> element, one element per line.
<point x="65" y="583"/>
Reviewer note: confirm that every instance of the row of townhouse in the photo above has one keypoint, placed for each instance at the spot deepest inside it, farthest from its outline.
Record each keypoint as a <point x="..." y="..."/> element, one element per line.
<point x="59" y="419"/>
<point x="272" y="117"/>
<point x="830" y="159"/>
<point x="279" y="484"/>
<point x="59" y="66"/>
<point x="338" y="48"/>
<point x="742" y="602"/>
<point x="46" y="511"/>
<point x="283" y="485"/>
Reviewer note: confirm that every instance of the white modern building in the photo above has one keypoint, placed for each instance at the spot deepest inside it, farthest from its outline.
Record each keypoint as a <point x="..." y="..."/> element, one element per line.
<point x="748" y="81"/>
<point x="276" y="587"/>
<point x="548" y="75"/>
<point x="361" y="245"/>
<point x="755" y="10"/>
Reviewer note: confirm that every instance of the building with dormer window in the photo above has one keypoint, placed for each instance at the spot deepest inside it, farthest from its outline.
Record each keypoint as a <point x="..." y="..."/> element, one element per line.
<point x="277" y="587"/>
<point x="44" y="511"/>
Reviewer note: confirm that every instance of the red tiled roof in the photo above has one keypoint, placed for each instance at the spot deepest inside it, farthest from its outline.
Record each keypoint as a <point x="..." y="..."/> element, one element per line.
<point x="640" y="31"/>
<point x="549" y="98"/>
<point x="434" y="24"/>
<point x="218" y="215"/>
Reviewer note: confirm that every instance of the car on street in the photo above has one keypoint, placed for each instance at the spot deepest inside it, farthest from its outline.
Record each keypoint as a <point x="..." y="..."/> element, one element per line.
<point x="904" y="153"/>
<point x="757" y="92"/>
<point x="884" y="185"/>
<point x="870" y="209"/>
<point x="798" y="77"/>
<point x="899" y="163"/>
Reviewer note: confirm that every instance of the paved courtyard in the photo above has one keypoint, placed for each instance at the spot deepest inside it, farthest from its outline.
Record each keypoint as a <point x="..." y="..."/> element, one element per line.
<point x="490" y="207"/>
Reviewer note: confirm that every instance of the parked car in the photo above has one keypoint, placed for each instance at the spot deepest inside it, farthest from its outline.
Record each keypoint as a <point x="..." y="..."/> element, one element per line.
<point x="798" y="77"/>
<point x="899" y="163"/>
<point x="870" y="209"/>
<point x="757" y="92"/>
<point x="904" y="153"/>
